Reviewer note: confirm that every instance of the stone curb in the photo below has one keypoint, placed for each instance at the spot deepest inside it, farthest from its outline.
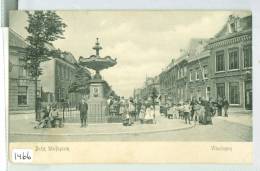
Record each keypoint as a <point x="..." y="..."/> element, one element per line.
<point x="110" y="133"/>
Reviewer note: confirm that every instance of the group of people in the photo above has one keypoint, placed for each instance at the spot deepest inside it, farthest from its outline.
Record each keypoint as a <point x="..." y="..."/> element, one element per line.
<point x="222" y="103"/>
<point x="131" y="110"/>
<point x="200" y="111"/>
<point x="51" y="118"/>
<point x="143" y="110"/>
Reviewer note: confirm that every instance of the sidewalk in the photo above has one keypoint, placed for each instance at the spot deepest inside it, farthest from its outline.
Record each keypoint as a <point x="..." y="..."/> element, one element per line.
<point x="238" y="115"/>
<point x="25" y="127"/>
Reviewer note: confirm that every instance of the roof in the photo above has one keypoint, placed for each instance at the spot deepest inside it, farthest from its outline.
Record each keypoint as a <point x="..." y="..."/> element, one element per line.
<point x="16" y="40"/>
<point x="195" y="50"/>
<point x="68" y="57"/>
<point x="196" y="45"/>
<point x="243" y="23"/>
<point x="203" y="54"/>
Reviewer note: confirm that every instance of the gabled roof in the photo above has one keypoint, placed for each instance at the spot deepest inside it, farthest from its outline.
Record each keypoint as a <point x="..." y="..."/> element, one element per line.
<point x="245" y="23"/>
<point x="16" y="40"/>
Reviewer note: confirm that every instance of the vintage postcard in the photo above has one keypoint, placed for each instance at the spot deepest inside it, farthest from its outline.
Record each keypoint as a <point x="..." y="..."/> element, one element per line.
<point x="130" y="87"/>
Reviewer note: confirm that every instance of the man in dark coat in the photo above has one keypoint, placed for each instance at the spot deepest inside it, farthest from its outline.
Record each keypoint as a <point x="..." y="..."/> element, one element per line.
<point x="220" y="105"/>
<point x="192" y="104"/>
<point x="83" y="108"/>
<point x="225" y="105"/>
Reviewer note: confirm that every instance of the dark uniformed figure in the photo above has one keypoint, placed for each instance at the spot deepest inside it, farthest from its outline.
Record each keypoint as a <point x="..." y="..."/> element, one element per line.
<point x="220" y="105"/>
<point x="225" y="105"/>
<point x="83" y="108"/>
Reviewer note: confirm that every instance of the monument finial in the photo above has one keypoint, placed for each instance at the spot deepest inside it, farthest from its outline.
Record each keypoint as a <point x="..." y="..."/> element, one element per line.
<point x="97" y="47"/>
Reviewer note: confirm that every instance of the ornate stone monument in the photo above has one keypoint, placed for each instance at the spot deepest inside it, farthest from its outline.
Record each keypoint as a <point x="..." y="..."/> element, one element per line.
<point x="97" y="101"/>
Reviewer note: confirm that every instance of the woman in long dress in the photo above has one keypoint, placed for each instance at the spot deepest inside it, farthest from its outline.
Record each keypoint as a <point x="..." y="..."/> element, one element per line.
<point x="207" y="118"/>
<point x="196" y="112"/>
<point x="126" y="116"/>
<point x="142" y="113"/>
<point x="148" y="118"/>
<point x="131" y="110"/>
<point x="122" y="106"/>
<point x="201" y="113"/>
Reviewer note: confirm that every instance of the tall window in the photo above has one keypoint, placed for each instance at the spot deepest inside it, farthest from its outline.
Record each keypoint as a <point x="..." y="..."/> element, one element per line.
<point x="207" y="93"/>
<point x="205" y="72"/>
<point x="233" y="58"/>
<point x="191" y="79"/>
<point x="61" y="72"/>
<point x="191" y="94"/>
<point x="233" y="27"/>
<point x="22" y="70"/>
<point x="58" y="71"/>
<point x="197" y="74"/>
<point x="62" y="94"/>
<point x="22" y="95"/>
<point x="58" y="94"/>
<point x="64" y="72"/>
<point x="247" y="56"/>
<point x="198" y="93"/>
<point x="220" y="61"/>
<point x="185" y="71"/>
<point x="234" y="96"/>
<point x="69" y="75"/>
<point x="220" y="89"/>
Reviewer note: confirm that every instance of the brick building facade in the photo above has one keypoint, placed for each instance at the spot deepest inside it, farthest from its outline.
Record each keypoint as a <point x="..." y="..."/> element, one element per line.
<point x="184" y="77"/>
<point x="218" y="67"/>
<point x="231" y="62"/>
<point x="198" y="79"/>
<point x="21" y="85"/>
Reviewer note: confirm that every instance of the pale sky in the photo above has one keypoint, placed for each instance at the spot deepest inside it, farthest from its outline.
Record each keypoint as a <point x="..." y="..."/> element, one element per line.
<point x="144" y="42"/>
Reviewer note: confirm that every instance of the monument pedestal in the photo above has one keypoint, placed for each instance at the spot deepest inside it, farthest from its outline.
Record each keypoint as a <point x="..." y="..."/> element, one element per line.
<point x="97" y="102"/>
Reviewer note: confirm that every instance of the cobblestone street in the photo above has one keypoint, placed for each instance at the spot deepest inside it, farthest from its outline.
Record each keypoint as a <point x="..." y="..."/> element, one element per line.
<point x="237" y="127"/>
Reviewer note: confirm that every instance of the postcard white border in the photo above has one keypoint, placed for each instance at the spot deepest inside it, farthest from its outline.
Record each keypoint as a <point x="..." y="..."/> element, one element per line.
<point x="170" y="4"/>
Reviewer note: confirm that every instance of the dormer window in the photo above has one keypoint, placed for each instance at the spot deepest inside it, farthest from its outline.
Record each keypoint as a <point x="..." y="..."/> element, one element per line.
<point x="233" y="24"/>
<point x="232" y="27"/>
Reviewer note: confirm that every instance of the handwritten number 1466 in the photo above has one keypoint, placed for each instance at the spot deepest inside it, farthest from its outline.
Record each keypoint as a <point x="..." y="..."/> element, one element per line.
<point x="22" y="156"/>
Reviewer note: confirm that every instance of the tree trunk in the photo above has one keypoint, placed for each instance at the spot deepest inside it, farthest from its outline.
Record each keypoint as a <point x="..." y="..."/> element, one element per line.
<point x="37" y="114"/>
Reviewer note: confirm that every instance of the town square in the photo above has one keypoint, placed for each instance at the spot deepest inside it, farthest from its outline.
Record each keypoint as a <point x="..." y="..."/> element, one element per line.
<point x="130" y="76"/>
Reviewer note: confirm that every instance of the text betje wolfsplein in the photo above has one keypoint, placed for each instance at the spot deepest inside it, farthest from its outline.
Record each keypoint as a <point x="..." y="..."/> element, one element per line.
<point x="54" y="148"/>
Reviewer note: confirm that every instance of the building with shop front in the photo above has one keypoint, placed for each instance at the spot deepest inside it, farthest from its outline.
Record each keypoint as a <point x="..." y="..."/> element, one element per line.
<point x="21" y="85"/>
<point x="231" y="62"/>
